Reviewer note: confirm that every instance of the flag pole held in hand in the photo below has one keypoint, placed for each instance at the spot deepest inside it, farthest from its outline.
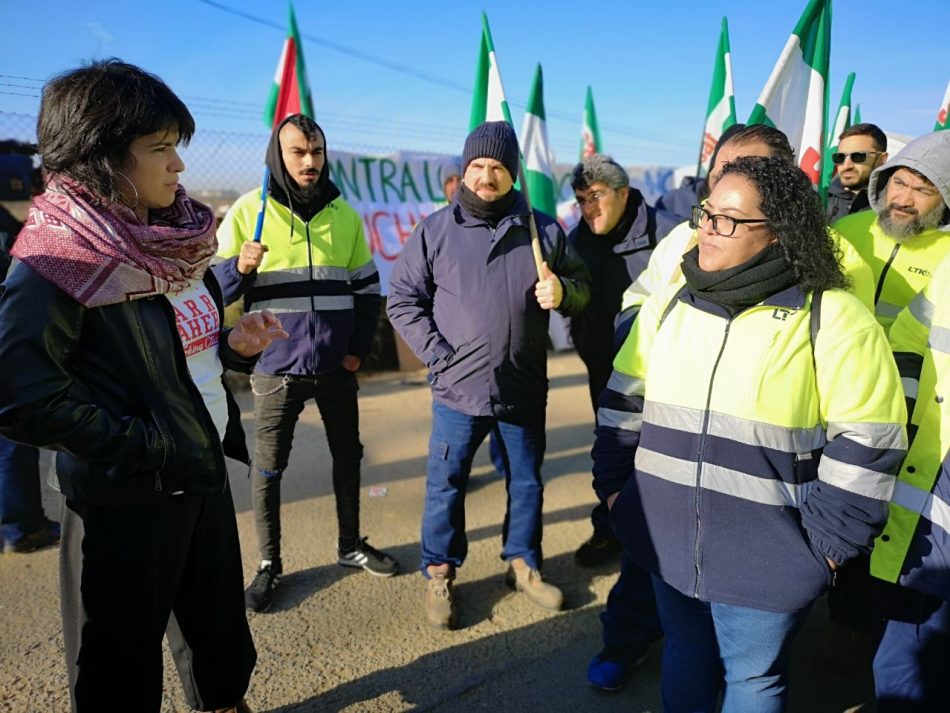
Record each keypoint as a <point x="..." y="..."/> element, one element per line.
<point x="258" y="229"/>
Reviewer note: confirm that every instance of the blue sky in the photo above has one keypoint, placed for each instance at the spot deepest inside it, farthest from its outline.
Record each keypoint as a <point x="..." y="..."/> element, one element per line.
<point x="650" y="63"/>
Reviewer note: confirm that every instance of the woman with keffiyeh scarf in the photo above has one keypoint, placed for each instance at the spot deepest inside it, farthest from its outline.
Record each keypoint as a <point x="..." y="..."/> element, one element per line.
<point x="112" y="352"/>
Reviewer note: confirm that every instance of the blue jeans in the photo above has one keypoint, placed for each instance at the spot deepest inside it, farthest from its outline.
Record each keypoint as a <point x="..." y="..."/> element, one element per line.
<point x="452" y="445"/>
<point x="708" y="644"/>
<point x="21" y="502"/>
<point x="910" y="666"/>
<point x="630" y="618"/>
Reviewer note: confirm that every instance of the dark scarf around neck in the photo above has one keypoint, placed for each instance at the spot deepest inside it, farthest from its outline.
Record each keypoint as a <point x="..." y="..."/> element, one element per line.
<point x="737" y="288"/>
<point x="490" y="211"/>
<point x="282" y="188"/>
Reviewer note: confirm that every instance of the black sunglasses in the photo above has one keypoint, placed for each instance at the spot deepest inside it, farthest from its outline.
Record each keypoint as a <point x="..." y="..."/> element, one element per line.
<point x="856" y="156"/>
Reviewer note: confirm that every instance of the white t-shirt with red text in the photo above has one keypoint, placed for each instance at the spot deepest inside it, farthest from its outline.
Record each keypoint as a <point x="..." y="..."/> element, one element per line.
<point x="199" y="327"/>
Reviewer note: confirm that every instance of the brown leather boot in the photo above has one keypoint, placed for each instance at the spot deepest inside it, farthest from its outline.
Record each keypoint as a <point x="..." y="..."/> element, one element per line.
<point x="523" y="578"/>
<point x="440" y="602"/>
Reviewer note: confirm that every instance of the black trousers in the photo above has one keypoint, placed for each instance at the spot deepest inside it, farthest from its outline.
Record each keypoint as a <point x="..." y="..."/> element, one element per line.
<point x="278" y="402"/>
<point x="127" y="574"/>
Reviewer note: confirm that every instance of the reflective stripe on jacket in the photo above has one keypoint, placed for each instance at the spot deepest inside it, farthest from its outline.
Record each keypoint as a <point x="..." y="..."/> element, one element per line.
<point x="739" y="468"/>
<point x="914" y="548"/>
<point x="318" y="277"/>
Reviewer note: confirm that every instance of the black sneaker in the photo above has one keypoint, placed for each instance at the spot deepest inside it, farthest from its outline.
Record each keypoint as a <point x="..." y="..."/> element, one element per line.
<point x="260" y="594"/>
<point x="46" y="536"/>
<point x="369" y="558"/>
<point x="598" y="550"/>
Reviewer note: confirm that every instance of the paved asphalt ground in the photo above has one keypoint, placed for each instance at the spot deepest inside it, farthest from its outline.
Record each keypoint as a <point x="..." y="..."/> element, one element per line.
<point x="342" y="640"/>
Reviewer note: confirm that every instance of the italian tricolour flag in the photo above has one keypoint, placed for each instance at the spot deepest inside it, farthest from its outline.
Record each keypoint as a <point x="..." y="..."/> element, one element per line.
<point x="538" y="160"/>
<point x="721" y="113"/>
<point x="290" y="93"/>
<point x="795" y="97"/>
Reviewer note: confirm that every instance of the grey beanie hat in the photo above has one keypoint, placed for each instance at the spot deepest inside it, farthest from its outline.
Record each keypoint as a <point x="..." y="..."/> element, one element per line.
<point x="493" y="139"/>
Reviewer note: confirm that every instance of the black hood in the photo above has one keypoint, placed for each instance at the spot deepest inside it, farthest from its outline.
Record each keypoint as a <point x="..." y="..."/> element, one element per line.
<point x="283" y="189"/>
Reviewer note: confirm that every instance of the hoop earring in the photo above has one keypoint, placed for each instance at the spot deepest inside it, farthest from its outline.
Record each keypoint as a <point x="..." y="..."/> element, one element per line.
<point x="134" y="189"/>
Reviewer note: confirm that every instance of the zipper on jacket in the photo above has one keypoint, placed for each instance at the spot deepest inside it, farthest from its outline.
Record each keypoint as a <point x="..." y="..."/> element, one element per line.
<point x="699" y="458"/>
<point x="887" y="266"/>
<point x="153" y="372"/>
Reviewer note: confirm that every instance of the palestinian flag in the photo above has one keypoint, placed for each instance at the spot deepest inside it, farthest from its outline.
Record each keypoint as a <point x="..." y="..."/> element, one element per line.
<point x="488" y="97"/>
<point x="537" y="153"/>
<point x="842" y="122"/>
<point x="290" y="93"/>
<point x="795" y="97"/>
<point x="721" y="112"/>
<point x="590" y="131"/>
<point x="943" y="120"/>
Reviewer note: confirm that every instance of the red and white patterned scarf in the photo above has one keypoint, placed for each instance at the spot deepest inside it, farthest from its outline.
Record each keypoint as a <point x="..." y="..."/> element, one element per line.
<point x="103" y="255"/>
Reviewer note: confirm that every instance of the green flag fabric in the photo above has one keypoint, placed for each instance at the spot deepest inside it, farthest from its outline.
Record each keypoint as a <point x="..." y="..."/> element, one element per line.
<point x="590" y="131"/>
<point x="943" y="120"/>
<point x="538" y="160"/>
<point x="488" y="96"/>
<point x="721" y="112"/>
<point x="290" y="93"/>
<point x="795" y="97"/>
<point x="842" y="122"/>
<point x="857" y="114"/>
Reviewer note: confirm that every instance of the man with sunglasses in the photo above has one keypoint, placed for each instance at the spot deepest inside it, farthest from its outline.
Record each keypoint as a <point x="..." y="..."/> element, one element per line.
<point x="861" y="149"/>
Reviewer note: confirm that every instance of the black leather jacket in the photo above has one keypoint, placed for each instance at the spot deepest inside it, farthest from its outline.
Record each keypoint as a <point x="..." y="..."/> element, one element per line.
<point x="109" y="389"/>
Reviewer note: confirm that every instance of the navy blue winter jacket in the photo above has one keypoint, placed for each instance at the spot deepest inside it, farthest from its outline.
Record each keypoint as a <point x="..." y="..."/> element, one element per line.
<point x="462" y="296"/>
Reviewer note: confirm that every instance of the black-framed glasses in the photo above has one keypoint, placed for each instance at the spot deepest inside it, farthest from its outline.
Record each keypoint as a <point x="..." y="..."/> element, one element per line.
<point x="856" y="156"/>
<point x="724" y="225"/>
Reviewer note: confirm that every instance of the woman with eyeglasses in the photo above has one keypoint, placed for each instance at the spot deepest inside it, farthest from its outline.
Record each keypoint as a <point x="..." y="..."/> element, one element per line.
<point x="112" y="354"/>
<point x="748" y="439"/>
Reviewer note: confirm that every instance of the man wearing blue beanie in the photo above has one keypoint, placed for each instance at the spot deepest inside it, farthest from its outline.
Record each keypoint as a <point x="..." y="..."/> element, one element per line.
<point x="466" y="297"/>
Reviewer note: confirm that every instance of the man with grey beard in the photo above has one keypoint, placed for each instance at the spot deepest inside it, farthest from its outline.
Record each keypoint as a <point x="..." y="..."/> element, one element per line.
<point x="907" y="233"/>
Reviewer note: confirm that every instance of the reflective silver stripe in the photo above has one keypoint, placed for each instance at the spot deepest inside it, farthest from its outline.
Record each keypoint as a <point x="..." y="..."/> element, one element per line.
<point x="886" y="309"/>
<point x="871" y="435"/>
<point x="910" y="387"/>
<point x="741" y="430"/>
<point x="302" y="304"/>
<point x="638" y="289"/>
<point x="855" y="479"/>
<point x="368" y="270"/>
<point x="625" y="384"/>
<point x="300" y="274"/>
<point x="765" y="491"/>
<point x="922" y="309"/>
<point x="927" y="504"/>
<point x="939" y="339"/>
<point x="619" y="419"/>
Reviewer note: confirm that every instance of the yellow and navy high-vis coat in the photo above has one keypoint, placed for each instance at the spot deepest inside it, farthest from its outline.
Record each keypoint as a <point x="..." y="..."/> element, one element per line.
<point x="318" y="277"/>
<point x="901" y="270"/>
<point x="914" y="548"/>
<point x="742" y="457"/>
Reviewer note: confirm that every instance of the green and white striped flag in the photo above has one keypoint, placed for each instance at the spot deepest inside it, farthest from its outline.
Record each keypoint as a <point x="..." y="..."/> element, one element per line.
<point x="488" y="97"/>
<point x="842" y="122"/>
<point x="538" y="174"/>
<point x="795" y="97"/>
<point x="721" y="112"/>
<point x="943" y="116"/>
<point x="590" y="131"/>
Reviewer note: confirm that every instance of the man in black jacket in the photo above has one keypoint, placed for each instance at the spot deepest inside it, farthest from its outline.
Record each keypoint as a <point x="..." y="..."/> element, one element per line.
<point x="861" y="149"/>
<point x="466" y="296"/>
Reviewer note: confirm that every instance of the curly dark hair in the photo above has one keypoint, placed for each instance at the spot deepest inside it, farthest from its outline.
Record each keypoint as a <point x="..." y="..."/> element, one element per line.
<point x="90" y="116"/>
<point x="794" y="215"/>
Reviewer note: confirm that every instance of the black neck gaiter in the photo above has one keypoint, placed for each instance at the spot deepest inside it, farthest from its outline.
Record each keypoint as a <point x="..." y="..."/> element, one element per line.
<point x="490" y="211"/>
<point x="736" y="288"/>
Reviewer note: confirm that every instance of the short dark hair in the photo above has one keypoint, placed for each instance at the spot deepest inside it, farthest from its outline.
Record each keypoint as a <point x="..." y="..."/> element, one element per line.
<point x="792" y="208"/>
<point x="778" y="144"/>
<point x="879" y="137"/>
<point x="90" y="116"/>
<point x="307" y="126"/>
